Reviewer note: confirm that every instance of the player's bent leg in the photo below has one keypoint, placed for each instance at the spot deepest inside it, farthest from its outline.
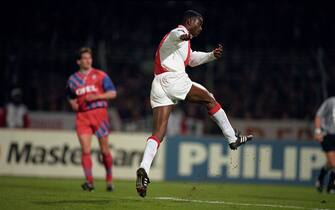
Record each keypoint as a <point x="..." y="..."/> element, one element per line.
<point x="199" y="94"/>
<point x="160" y="120"/>
<point x="107" y="160"/>
<point x="86" y="161"/>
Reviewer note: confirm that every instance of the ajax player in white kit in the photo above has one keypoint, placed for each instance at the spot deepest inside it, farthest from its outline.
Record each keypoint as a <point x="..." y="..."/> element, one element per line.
<point x="171" y="84"/>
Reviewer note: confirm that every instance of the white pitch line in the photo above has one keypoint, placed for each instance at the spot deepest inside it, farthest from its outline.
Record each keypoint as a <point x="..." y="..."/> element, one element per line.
<point x="235" y="204"/>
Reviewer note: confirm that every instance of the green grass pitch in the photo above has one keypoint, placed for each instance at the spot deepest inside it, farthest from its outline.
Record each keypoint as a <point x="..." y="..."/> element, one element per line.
<point x="62" y="194"/>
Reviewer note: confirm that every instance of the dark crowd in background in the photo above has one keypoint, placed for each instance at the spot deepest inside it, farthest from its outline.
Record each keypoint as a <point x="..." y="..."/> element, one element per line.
<point x="278" y="60"/>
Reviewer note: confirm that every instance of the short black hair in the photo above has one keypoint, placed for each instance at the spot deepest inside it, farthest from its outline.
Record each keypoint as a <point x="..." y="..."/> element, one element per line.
<point x="190" y="14"/>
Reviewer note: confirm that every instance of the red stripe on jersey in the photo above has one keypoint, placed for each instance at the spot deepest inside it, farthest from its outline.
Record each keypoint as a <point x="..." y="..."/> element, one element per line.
<point x="159" y="69"/>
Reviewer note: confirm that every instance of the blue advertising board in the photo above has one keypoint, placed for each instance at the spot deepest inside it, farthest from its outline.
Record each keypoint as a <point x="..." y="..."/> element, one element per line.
<point x="260" y="161"/>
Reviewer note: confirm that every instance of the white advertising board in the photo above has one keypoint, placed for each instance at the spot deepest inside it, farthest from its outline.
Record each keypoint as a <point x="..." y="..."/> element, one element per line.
<point x="58" y="154"/>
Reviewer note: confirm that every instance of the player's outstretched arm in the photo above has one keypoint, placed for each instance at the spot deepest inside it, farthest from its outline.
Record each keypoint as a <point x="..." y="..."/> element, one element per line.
<point x="198" y="58"/>
<point x="218" y="51"/>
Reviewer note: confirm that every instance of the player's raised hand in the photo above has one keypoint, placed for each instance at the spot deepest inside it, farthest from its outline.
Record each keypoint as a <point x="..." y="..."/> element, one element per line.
<point x="218" y="51"/>
<point x="91" y="97"/>
<point x="186" y="37"/>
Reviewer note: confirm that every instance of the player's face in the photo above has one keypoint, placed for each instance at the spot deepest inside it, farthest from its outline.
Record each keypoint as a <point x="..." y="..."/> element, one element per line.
<point x="85" y="62"/>
<point x="196" y="26"/>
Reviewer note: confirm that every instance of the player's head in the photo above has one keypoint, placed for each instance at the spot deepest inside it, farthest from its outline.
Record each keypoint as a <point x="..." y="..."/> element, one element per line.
<point x="193" y="20"/>
<point x="84" y="58"/>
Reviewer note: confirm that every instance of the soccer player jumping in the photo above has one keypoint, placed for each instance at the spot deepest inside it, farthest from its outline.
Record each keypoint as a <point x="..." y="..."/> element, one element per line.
<point x="171" y="84"/>
<point x="88" y="91"/>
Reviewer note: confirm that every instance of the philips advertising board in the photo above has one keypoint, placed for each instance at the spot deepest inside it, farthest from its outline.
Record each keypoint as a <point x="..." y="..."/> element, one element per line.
<point x="210" y="159"/>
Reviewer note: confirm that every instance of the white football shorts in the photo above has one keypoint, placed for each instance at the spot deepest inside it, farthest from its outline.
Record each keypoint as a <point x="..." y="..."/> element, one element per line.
<point x="168" y="88"/>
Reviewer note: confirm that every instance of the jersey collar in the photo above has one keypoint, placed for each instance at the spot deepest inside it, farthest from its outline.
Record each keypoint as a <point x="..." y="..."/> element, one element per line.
<point x="183" y="27"/>
<point x="86" y="73"/>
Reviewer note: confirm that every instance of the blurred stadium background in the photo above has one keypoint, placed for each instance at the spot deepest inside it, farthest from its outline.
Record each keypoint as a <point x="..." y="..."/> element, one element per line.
<point x="277" y="68"/>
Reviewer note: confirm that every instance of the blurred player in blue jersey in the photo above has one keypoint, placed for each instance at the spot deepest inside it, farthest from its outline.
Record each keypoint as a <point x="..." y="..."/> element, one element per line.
<point x="89" y="90"/>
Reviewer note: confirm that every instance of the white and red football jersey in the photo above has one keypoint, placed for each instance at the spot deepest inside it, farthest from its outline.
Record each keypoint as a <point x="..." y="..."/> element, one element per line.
<point x="174" y="54"/>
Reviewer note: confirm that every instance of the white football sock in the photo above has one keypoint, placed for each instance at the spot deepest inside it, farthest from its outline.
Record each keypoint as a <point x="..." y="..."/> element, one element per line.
<point x="149" y="154"/>
<point x="222" y="121"/>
